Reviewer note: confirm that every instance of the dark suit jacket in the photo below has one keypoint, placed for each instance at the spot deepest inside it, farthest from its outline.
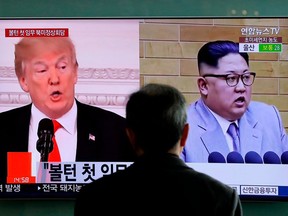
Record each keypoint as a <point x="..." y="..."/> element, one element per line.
<point x="111" y="142"/>
<point x="162" y="184"/>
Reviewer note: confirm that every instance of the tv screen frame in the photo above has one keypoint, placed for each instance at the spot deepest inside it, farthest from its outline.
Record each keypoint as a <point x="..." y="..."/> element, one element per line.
<point x="178" y="68"/>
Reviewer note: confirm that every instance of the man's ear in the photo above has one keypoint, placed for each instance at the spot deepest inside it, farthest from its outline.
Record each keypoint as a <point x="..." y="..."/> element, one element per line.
<point x="202" y="85"/>
<point x="184" y="135"/>
<point x="23" y="84"/>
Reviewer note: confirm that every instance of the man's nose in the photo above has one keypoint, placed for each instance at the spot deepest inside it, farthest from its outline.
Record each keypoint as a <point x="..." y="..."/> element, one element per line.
<point x="240" y="85"/>
<point x="54" y="76"/>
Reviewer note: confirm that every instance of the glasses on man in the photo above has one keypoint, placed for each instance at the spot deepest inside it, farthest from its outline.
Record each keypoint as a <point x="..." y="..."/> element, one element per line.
<point x="233" y="79"/>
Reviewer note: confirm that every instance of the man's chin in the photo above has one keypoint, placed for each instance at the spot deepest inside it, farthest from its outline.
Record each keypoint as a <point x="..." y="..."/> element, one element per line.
<point x="237" y="115"/>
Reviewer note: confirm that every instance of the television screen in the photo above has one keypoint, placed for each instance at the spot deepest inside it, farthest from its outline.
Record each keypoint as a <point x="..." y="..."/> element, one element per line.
<point x="173" y="45"/>
<point x="109" y="54"/>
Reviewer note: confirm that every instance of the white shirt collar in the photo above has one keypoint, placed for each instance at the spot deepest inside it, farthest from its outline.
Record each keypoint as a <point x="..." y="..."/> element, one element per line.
<point x="68" y="120"/>
<point x="224" y="123"/>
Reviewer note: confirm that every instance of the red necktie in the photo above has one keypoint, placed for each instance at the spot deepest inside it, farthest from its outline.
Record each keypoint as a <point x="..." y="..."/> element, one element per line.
<point x="54" y="156"/>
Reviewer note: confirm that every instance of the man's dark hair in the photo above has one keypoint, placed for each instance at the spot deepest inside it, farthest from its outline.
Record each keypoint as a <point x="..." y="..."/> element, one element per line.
<point x="157" y="115"/>
<point x="212" y="51"/>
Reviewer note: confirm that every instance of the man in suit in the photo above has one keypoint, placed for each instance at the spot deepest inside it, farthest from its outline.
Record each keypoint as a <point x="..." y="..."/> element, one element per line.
<point x="225" y="86"/>
<point x="158" y="181"/>
<point x="47" y="68"/>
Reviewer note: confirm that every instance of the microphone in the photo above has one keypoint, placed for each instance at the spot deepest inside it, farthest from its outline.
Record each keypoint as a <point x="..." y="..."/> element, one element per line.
<point x="284" y="157"/>
<point x="271" y="157"/>
<point x="216" y="157"/>
<point x="44" y="143"/>
<point x="234" y="157"/>
<point x="253" y="157"/>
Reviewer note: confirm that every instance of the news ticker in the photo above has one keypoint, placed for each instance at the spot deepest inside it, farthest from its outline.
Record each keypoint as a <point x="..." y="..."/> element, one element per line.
<point x="250" y="190"/>
<point x="40" y="188"/>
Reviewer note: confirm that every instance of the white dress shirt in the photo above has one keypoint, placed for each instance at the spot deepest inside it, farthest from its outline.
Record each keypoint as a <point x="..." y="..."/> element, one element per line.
<point x="66" y="136"/>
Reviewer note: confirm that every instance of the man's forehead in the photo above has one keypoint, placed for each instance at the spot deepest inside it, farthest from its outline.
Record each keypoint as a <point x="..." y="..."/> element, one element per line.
<point x="43" y="50"/>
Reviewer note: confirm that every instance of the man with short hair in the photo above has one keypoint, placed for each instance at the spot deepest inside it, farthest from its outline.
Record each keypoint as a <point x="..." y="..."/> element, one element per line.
<point x="225" y="85"/>
<point x="158" y="181"/>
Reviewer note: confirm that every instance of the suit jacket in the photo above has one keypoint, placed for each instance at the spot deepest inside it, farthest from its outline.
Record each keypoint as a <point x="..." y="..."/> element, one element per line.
<point x="162" y="184"/>
<point x="260" y="129"/>
<point x="111" y="142"/>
